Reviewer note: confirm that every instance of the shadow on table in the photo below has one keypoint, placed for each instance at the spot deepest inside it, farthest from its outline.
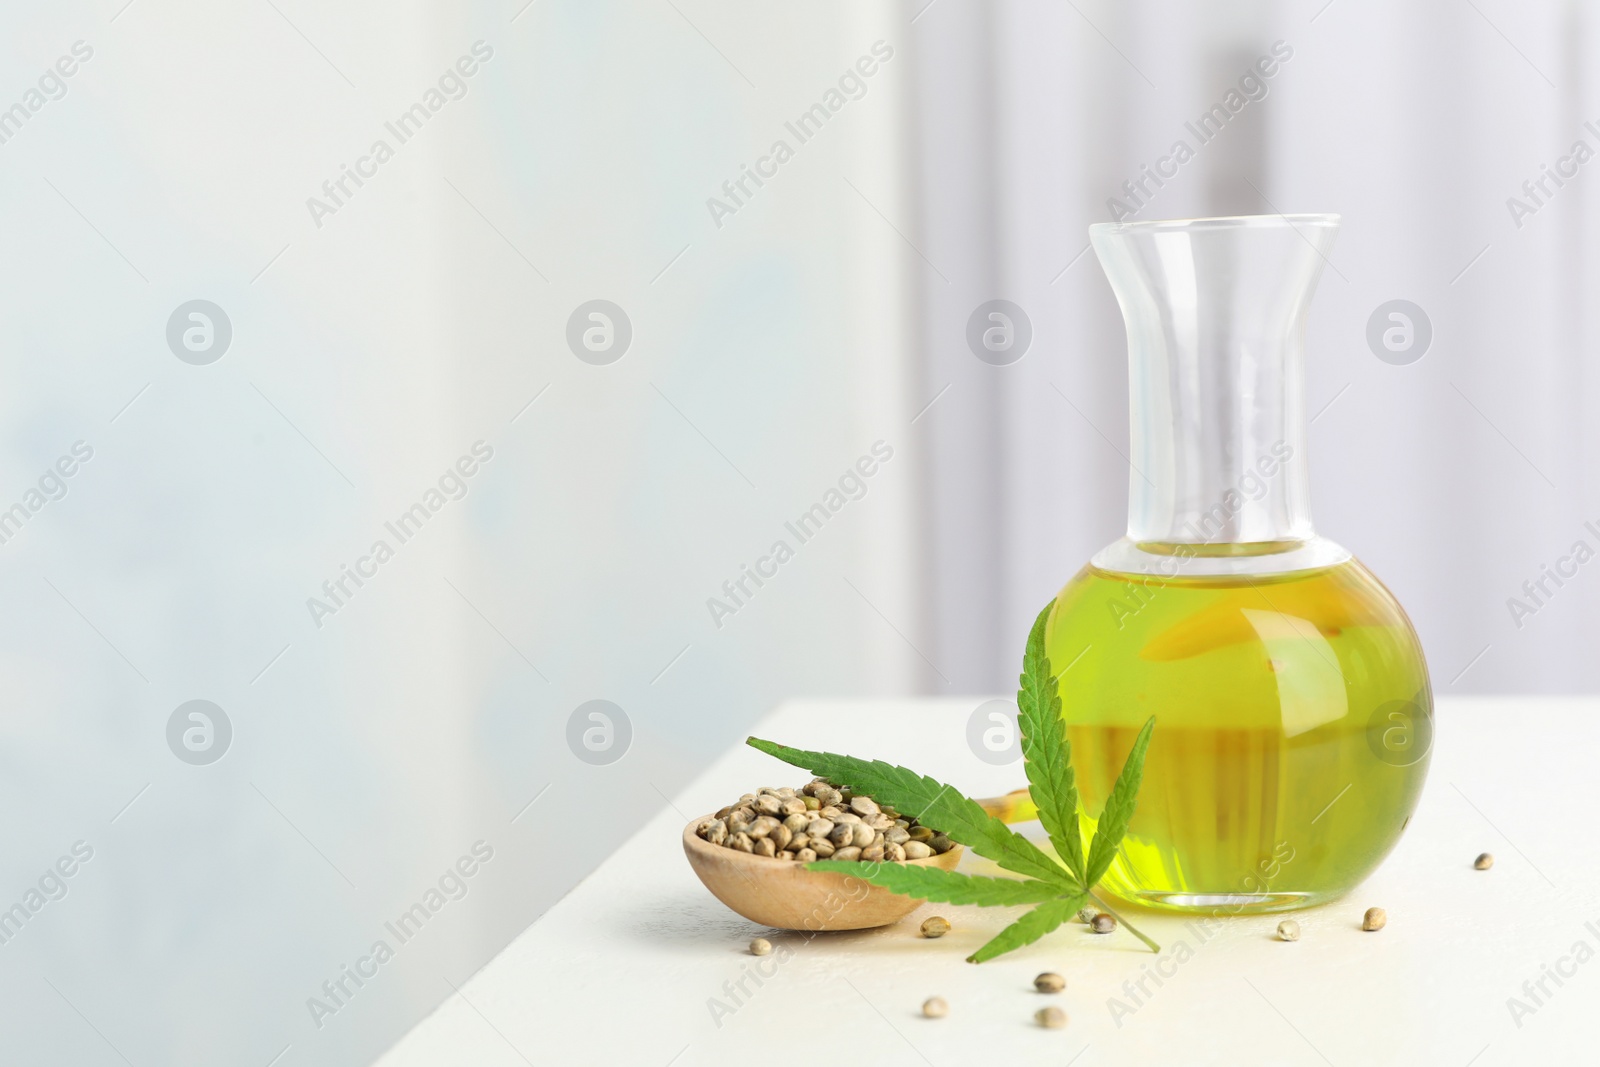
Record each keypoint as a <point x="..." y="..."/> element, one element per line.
<point x="695" y="918"/>
<point x="683" y="919"/>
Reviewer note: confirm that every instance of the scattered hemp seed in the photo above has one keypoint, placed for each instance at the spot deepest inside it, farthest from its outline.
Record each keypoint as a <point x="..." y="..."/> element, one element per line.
<point x="935" y="1008"/>
<point x="1103" y="923"/>
<point x="937" y="926"/>
<point x="1051" y="1018"/>
<point x="1288" y="930"/>
<point x="1484" y="861"/>
<point x="760" y="947"/>
<point x="1086" y="914"/>
<point x="1374" y="919"/>
<point x="1049" y="982"/>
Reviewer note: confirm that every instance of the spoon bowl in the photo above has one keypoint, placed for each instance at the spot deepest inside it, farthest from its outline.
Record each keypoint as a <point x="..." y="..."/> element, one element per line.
<point x="785" y="895"/>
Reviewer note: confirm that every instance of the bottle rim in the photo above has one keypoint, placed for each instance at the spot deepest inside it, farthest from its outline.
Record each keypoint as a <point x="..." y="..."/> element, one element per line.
<point x="1219" y="222"/>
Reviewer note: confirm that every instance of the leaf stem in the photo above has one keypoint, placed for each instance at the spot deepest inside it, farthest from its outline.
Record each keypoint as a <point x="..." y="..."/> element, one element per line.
<point x="1132" y="929"/>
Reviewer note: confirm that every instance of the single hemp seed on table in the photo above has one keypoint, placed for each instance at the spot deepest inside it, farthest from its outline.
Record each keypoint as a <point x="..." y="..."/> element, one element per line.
<point x="1051" y="1018"/>
<point x="1484" y="861"/>
<point x="1049" y="982"/>
<point x="1374" y="919"/>
<point x="936" y="926"/>
<point x="760" y="947"/>
<point x="935" y="1008"/>
<point x="1103" y="923"/>
<point x="1288" y="930"/>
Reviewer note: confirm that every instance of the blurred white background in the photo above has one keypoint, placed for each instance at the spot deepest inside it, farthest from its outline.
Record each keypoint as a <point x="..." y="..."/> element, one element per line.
<point x="771" y="348"/>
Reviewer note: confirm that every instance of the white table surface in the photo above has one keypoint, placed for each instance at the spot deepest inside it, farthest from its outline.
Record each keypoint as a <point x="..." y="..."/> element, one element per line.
<point x="620" y="972"/>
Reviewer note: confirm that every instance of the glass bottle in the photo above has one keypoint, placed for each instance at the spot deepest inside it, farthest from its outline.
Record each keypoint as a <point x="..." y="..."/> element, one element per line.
<point x="1293" y="709"/>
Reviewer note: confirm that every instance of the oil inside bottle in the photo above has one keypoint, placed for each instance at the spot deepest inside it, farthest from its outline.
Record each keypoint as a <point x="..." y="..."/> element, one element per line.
<point x="1293" y="726"/>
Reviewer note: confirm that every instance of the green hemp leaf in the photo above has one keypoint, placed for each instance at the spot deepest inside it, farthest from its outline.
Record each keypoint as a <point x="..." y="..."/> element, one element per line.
<point x="1058" y="890"/>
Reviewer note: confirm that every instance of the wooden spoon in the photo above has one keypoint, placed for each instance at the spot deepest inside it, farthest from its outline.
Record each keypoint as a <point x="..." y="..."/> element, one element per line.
<point x="786" y="895"/>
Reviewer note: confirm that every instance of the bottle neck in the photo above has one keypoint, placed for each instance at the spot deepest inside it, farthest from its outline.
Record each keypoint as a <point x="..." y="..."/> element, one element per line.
<point x="1219" y="447"/>
<point x="1215" y="313"/>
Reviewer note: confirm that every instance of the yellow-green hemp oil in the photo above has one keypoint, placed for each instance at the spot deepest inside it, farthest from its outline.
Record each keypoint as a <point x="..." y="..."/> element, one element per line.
<point x="1293" y="729"/>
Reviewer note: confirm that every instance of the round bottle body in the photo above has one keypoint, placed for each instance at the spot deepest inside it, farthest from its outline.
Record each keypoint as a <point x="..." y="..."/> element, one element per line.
<point x="1294" y="723"/>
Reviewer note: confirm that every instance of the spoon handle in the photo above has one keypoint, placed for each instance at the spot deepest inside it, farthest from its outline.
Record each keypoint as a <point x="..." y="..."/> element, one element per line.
<point x="1015" y="806"/>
